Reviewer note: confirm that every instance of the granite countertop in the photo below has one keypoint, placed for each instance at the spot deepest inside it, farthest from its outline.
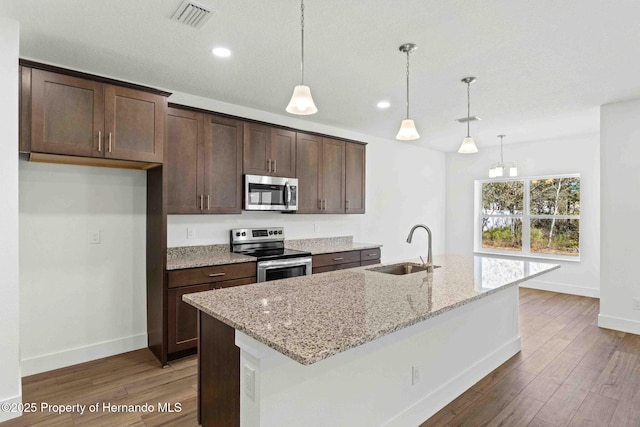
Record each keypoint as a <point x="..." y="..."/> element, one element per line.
<point x="325" y="245"/>
<point x="209" y="255"/>
<point x="203" y="256"/>
<point x="311" y="318"/>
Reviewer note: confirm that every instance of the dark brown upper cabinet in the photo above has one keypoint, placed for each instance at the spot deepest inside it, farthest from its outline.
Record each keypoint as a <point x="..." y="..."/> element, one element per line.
<point x="355" y="172"/>
<point x="269" y="151"/>
<point x="331" y="175"/>
<point x="204" y="163"/>
<point x="74" y="116"/>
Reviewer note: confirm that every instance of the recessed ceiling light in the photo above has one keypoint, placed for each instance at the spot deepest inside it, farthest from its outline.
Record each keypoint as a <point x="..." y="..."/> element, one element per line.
<point x="221" y="52"/>
<point x="383" y="105"/>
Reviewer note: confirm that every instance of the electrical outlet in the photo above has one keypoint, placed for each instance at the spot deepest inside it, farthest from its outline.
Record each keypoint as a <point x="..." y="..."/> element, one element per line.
<point x="415" y="374"/>
<point x="191" y="233"/>
<point x="249" y="381"/>
<point x="94" y="237"/>
<point x="636" y="304"/>
<point x="316" y="228"/>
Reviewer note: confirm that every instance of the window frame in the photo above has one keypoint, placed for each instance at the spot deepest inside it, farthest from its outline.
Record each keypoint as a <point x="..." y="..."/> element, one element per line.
<point x="526" y="218"/>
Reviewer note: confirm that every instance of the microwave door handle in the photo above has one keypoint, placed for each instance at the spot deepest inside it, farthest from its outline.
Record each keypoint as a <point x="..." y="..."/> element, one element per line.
<point x="287" y="190"/>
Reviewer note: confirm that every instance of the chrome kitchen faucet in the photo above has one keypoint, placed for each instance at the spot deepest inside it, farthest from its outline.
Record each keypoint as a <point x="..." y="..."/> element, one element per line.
<point x="429" y="256"/>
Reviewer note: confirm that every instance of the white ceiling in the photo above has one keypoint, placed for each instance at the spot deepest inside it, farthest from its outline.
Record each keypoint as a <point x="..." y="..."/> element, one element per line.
<point x="543" y="66"/>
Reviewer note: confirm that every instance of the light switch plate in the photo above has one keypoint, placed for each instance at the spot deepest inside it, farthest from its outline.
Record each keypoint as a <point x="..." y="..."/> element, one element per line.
<point x="249" y="381"/>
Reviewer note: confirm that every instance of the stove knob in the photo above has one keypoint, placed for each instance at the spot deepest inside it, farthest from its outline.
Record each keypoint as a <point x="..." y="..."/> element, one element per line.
<point x="237" y="234"/>
<point x="279" y="231"/>
<point x="244" y="233"/>
<point x="270" y="232"/>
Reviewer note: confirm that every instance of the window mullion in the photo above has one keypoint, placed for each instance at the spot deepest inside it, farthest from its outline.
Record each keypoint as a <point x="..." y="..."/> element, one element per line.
<point x="526" y="222"/>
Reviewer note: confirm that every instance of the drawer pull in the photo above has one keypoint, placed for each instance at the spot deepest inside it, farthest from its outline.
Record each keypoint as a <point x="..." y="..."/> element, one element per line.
<point x="374" y="254"/>
<point x="338" y="259"/>
<point x="217" y="274"/>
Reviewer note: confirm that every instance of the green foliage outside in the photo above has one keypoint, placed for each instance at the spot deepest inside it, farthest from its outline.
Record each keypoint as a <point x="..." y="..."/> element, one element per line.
<point x="547" y="198"/>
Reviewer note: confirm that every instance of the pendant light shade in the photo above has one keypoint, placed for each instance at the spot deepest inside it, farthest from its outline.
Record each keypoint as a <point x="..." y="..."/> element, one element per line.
<point x="498" y="170"/>
<point x="408" y="131"/>
<point x="301" y="102"/>
<point x="468" y="145"/>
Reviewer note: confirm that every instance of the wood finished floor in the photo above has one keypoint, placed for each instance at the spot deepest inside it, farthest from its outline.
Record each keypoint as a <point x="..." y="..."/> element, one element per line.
<point x="569" y="373"/>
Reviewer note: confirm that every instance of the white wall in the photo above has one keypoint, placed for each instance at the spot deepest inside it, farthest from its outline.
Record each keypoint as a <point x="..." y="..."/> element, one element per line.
<point x="567" y="155"/>
<point x="10" y="385"/>
<point x="80" y="301"/>
<point x="619" y="133"/>
<point x="405" y="186"/>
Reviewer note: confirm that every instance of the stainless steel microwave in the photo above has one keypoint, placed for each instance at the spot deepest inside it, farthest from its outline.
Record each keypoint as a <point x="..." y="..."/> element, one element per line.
<point x="270" y="193"/>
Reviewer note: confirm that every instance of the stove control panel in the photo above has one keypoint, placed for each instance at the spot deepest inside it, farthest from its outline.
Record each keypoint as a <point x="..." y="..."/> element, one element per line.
<point x="244" y="235"/>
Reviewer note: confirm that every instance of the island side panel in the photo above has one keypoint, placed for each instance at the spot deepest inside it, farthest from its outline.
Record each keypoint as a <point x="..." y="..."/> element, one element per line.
<point x="371" y="384"/>
<point x="218" y="374"/>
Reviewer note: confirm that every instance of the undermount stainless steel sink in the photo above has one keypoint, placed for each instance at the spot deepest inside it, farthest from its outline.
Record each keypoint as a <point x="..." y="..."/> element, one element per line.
<point x="403" y="268"/>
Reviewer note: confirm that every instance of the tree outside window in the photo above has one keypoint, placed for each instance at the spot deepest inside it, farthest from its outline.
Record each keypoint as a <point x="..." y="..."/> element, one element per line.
<point x="536" y="216"/>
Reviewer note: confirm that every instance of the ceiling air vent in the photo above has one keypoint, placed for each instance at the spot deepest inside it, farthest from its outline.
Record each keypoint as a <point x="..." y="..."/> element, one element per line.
<point x="471" y="119"/>
<point x="192" y="14"/>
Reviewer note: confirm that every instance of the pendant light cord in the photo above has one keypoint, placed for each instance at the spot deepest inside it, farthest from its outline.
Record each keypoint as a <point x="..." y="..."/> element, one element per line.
<point x="468" y="107"/>
<point x="302" y="30"/>
<point x="408" y="84"/>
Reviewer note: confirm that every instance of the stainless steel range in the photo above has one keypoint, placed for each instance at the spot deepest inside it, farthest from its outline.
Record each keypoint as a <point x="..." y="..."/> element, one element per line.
<point x="274" y="260"/>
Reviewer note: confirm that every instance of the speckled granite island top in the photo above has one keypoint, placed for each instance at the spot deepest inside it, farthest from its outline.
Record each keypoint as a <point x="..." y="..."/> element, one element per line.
<point x="310" y="318"/>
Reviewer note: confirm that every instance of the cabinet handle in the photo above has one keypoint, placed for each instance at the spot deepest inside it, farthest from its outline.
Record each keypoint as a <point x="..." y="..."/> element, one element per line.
<point x="201" y="202"/>
<point x="216" y="274"/>
<point x="348" y="203"/>
<point x="374" y="254"/>
<point x="109" y="141"/>
<point x="100" y="141"/>
<point x="275" y="165"/>
<point x="319" y="204"/>
<point x="208" y="207"/>
<point x="338" y="259"/>
<point x="269" y="165"/>
<point x="324" y="204"/>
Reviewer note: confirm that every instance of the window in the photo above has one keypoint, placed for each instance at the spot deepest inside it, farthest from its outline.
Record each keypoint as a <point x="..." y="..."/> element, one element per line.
<point x="536" y="216"/>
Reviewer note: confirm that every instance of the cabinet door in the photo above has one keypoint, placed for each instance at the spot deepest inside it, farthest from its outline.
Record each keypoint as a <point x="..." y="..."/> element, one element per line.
<point x="222" y="156"/>
<point x="134" y="122"/>
<point x="355" y="178"/>
<point x="283" y="153"/>
<point x="183" y="318"/>
<point x="332" y="176"/>
<point x="257" y="149"/>
<point x="308" y="149"/>
<point x="67" y="115"/>
<point x="182" y="165"/>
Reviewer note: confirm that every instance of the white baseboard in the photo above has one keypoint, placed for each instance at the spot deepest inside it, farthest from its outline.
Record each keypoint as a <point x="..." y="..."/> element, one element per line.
<point x="563" y="288"/>
<point x="430" y="404"/>
<point x="13" y="402"/>
<point x="48" y="362"/>
<point x="619" y="324"/>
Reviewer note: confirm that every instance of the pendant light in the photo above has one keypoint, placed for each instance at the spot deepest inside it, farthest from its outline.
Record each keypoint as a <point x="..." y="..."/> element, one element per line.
<point x="301" y="102"/>
<point x="408" y="129"/>
<point x="468" y="144"/>
<point x="498" y="170"/>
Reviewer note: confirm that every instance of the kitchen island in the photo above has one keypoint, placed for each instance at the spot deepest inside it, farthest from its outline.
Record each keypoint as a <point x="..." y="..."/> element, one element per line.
<point x="356" y="347"/>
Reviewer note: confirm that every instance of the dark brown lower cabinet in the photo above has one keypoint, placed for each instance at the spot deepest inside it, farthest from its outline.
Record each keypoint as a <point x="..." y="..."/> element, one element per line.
<point x="182" y="318"/>
<point x="344" y="260"/>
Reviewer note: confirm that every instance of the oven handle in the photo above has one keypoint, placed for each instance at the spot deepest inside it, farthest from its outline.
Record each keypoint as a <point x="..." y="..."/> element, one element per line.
<point x="284" y="262"/>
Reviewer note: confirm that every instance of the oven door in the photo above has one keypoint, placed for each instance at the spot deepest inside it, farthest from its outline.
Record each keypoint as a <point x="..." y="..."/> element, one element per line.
<point x="270" y="193"/>
<point x="283" y="268"/>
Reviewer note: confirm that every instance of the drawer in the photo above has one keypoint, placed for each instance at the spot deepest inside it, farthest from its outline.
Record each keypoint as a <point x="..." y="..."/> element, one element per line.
<point x="348" y="265"/>
<point x="369" y="254"/>
<point x="370" y="262"/>
<point x="217" y="273"/>
<point x="336" y="258"/>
